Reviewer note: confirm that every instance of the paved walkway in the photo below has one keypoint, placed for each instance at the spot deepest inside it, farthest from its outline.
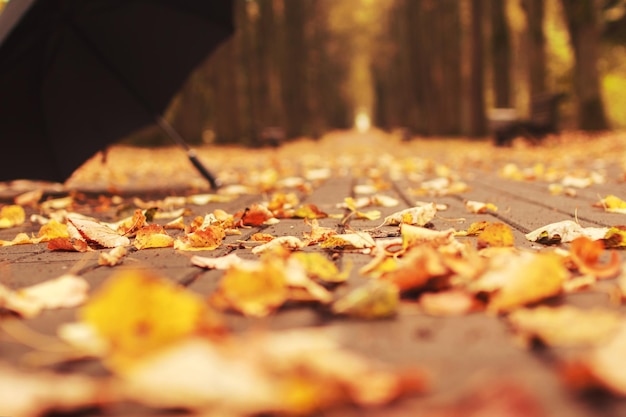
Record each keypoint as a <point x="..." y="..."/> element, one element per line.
<point x="474" y="359"/>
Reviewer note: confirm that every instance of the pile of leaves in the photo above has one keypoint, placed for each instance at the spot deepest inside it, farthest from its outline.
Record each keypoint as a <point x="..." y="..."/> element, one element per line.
<point x="165" y="346"/>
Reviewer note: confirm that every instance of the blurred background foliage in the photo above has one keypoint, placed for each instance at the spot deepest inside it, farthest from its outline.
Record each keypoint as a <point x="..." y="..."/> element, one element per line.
<point x="300" y="68"/>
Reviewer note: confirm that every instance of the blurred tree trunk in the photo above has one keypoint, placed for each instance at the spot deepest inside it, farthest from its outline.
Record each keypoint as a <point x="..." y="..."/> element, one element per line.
<point x="535" y="11"/>
<point x="477" y="118"/>
<point x="584" y="30"/>
<point x="395" y="82"/>
<point x="294" y="68"/>
<point x="450" y="77"/>
<point x="225" y="71"/>
<point x="501" y="54"/>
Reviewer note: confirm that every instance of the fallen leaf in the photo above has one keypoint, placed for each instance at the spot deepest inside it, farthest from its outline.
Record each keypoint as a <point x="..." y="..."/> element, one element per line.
<point x="222" y="262"/>
<point x="607" y="361"/>
<point x="96" y="233"/>
<point x="419" y="216"/>
<point x="448" y="303"/>
<point x="566" y="325"/>
<point x="257" y="215"/>
<point x="478" y="207"/>
<point x="612" y="204"/>
<point x="586" y="254"/>
<point x="33" y="394"/>
<point x="62" y="292"/>
<point x="209" y="238"/>
<point x="318" y="233"/>
<point x="564" y="231"/>
<point x="309" y="211"/>
<point x="152" y="236"/>
<point x="357" y="240"/>
<point x="129" y="226"/>
<point x="255" y="289"/>
<point x="496" y="234"/>
<point x="112" y="257"/>
<point x="19" y="239"/>
<point x="52" y="230"/>
<point x="318" y="266"/>
<point x="287" y="242"/>
<point x="11" y="216"/>
<point x="137" y="312"/>
<point x="374" y="300"/>
<point x="416" y="268"/>
<point x="522" y="279"/>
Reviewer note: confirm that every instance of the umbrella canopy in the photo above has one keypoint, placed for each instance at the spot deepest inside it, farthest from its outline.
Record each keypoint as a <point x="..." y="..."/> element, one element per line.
<point x="76" y="75"/>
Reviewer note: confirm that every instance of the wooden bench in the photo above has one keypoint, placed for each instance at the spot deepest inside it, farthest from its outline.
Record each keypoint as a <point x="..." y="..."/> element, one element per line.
<point x="543" y="121"/>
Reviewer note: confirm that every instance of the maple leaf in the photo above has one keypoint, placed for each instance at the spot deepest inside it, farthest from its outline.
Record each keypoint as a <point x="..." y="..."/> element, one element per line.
<point x="137" y="312"/>
<point x="11" y="216"/>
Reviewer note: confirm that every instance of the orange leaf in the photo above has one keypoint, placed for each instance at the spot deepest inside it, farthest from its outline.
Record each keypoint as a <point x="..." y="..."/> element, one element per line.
<point x="586" y="254"/>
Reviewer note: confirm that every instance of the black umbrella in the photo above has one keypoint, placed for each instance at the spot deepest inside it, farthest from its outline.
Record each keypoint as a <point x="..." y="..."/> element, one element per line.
<point x="76" y="75"/>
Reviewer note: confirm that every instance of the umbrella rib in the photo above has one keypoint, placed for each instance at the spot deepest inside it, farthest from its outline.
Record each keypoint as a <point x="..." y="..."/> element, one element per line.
<point x="165" y="126"/>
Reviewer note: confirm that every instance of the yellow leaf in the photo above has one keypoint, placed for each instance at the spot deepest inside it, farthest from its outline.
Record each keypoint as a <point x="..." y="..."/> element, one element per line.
<point x="11" y="216"/>
<point x="19" y="239"/>
<point x="153" y="236"/>
<point x="566" y="325"/>
<point x="256" y="289"/>
<point x="137" y="312"/>
<point x="319" y="266"/>
<point x="309" y="211"/>
<point x="613" y="204"/>
<point x="496" y="234"/>
<point x="534" y="277"/>
<point x="51" y="230"/>
<point x="376" y="299"/>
